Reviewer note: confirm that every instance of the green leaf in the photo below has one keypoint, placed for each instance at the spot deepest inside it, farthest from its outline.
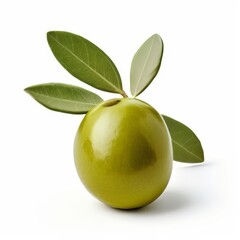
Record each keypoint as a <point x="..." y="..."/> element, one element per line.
<point x="145" y="64"/>
<point x="64" y="97"/>
<point x="85" y="61"/>
<point x="186" y="146"/>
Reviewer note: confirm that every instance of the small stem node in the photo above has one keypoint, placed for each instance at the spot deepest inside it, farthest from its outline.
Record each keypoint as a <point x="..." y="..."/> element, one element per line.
<point x="124" y="94"/>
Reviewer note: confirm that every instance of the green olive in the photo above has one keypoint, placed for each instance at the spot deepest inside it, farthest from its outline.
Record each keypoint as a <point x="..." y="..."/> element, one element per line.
<point x="123" y="153"/>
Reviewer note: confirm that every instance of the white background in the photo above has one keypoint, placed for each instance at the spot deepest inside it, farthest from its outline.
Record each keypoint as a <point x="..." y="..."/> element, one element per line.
<point x="41" y="196"/>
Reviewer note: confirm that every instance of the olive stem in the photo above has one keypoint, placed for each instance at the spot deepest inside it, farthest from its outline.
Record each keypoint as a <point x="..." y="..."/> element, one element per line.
<point x="124" y="94"/>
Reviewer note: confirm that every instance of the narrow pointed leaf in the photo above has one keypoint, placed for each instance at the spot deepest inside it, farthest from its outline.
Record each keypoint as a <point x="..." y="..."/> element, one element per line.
<point x="186" y="146"/>
<point x="145" y="64"/>
<point x="64" y="97"/>
<point x="85" y="61"/>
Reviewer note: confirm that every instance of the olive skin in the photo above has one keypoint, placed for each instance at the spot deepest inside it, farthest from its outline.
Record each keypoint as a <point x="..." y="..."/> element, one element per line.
<point x="123" y="153"/>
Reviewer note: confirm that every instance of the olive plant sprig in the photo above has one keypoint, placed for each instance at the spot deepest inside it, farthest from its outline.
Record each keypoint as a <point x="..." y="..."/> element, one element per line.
<point x="89" y="64"/>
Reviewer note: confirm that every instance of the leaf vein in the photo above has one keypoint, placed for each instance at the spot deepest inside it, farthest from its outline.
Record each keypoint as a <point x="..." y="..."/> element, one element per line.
<point x="181" y="146"/>
<point x="64" y="99"/>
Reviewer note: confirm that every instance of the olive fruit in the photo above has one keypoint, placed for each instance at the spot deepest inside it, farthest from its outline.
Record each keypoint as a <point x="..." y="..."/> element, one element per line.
<point x="123" y="153"/>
